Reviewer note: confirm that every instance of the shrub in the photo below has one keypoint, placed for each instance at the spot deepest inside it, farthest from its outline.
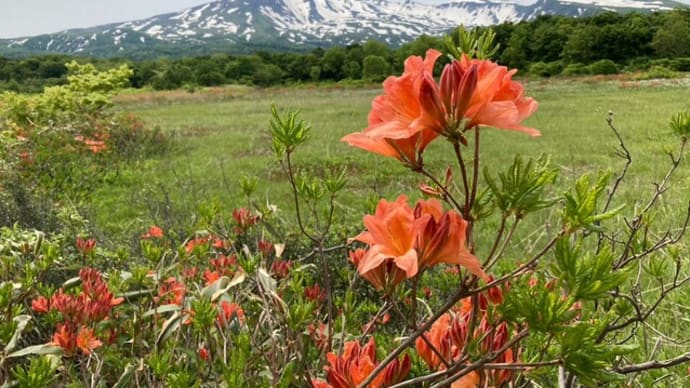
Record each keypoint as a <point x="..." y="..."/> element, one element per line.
<point x="655" y="72"/>
<point x="576" y="69"/>
<point x="61" y="144"/>
<point x="604" y="66"/>
<point x="638" y="64"/>
<point x="375" y="68"/>
<point x="680" y="64"/>
<point x="546" y="69"/>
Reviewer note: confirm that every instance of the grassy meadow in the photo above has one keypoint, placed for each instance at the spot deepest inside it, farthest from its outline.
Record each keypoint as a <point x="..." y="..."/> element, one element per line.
<point x="221" y="135"/>
<point x="588" y="308"/>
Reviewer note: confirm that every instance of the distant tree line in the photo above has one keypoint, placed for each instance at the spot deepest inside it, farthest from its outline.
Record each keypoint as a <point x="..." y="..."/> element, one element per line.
<point x="549" y="45"/>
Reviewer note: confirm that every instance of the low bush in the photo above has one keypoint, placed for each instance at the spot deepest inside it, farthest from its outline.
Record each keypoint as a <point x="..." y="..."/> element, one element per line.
<point x="603" y="67"/>
<point x="59" y="145"/>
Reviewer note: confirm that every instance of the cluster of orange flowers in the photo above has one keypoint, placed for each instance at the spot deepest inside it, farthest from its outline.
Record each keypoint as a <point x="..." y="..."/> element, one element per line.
<point x="154" y="232"/>
<point x="356" y="363"/>
<point x="80" y="313"/>
<point x="449" y="336"/>
<point x="244" y="219"/>
<point x="414" y="110"/>
<point x="215" y="242"/>
<point x="94" y="145"/>
<point x="174" y="291"/>
<point x="220" y="266"/>
<point x="404" y="241"/>
<point x="85" y="245"/>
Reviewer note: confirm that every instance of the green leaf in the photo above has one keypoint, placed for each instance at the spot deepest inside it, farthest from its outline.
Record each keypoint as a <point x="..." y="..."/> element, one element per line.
<point x="166" y="308"/>
<point x="680" y="124"/>
<point x="588" y="359"/>
<point x="521" y="189"/>
<point x="287" y="377"/>
<point x="21" y="321"/>
<point x="126" y="377"/>
<point x="36" y="349"/>
<point x="586" y="276"/>
<point x="580" y="210"/>
<point x="287" y="131"/>
<point x="169" y="326"/>
<point x="214" y="290"/>
<point x="472" y="43"/>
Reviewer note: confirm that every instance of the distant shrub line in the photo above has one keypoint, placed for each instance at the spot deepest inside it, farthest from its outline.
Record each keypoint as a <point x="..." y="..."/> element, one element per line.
<point x="658" y="43"/>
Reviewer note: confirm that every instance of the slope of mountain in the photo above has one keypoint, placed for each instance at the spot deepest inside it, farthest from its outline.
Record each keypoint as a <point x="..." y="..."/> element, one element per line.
<point x="249" y="25"/>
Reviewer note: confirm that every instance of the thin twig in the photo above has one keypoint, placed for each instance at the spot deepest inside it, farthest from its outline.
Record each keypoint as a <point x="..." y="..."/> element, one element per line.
<point x="446" y="193"/>
<point x="463" y="171"/>
<point x="653" y="364"/>
<point x="479" y="363"/>
<point x="493" y="259"/>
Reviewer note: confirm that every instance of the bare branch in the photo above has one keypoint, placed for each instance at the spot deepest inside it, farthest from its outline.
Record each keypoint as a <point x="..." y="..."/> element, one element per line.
<point x="653" y="364"/>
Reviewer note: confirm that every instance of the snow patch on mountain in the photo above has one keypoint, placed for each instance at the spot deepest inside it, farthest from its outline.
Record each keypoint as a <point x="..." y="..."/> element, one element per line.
<point x="315" y="22"/>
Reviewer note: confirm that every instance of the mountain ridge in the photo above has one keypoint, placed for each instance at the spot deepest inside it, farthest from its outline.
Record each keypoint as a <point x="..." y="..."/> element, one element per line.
<point x="242" y="26"/>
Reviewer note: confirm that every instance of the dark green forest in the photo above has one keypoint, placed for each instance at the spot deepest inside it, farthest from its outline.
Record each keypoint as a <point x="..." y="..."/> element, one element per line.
<point x="547" y="46"/>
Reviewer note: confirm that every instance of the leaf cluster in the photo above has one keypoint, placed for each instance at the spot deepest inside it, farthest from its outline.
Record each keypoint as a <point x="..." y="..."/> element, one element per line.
<point x="580" y="210"/>
<point x="474" y="43"/>
<point x="287" y="131"/>
<point x="521" y="189"/>
<point x="586" y="275"/>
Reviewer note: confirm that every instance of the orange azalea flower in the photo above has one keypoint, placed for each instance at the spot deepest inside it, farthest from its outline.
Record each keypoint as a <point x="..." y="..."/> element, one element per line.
<point x="441" y="238"/>
<point x="470" y="380"/>
<point x="407" y="150"/>
<point x="444" y="108"/>
<point x="322" y="384"/>
<point x="402" y="241"/>
<point x="391" y="236"/>
<point x="95" y="146"/>
<point x="228" y="311"/>
<point x="40" y="305"/>
<point x="85" y="246"/>
<point x="154" y="232"/>
<point x="315" y="293"/>
<point x="414" y="109"/>
<point x="439" y="336"/>
<point x="86" y="341"/>
<point x="222" y="261"/>
<point x="204" y="354"/>
<point x="211" y="276"/>
<point x="219" y="243"/>
<point x="171" y="291"/>
<point x="449" y="334"/>
<point x="192" y="244"/>
<point x="243" y="220"/>
<point x="319" y="335"/>
<point x="65" y="338"/>
<point x="356" y="363"/>
<point x="281" y="268"/>
<point x="474" y="92"/>
<point x="386" y="275"/>
<point x="394" y="127"/>
<point x="498" y="101"/>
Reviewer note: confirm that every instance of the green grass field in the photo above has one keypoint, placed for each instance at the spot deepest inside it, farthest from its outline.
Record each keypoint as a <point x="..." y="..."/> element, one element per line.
<point x="221" y="135"/>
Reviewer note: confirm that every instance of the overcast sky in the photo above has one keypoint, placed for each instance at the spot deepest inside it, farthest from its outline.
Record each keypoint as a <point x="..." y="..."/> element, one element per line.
<point x="33" y="17"/>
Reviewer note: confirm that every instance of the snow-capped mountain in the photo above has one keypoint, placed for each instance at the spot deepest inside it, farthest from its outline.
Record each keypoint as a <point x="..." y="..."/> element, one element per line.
<point x="248" y="25"/>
